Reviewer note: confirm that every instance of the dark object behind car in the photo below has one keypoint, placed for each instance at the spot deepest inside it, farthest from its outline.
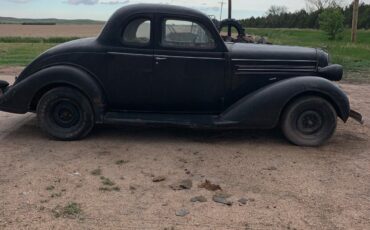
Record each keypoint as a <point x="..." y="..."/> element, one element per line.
<point x="160" y="64"/>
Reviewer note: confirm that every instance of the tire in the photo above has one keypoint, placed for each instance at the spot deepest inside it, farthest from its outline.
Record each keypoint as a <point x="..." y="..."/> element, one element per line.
<point x="65" y="114"/>
<point x="309" y="121"/>
<point x="233" y="23"/>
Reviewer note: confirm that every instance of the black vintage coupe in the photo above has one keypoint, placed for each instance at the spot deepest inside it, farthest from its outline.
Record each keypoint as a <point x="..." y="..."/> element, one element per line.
<point x="160" y="64"/>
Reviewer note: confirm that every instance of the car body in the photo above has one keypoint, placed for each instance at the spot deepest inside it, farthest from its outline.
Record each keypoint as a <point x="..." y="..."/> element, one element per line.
<point x="161" y="64"/>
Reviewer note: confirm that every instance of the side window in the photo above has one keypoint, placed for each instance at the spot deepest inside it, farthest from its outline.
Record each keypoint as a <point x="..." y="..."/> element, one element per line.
<point x="186" y="34"/>
<point x="137" y="32"/>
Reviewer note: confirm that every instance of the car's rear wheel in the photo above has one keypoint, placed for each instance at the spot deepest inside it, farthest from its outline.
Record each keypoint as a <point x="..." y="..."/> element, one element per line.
<point x="309" y="121"/>
<point x="65" y="114"/>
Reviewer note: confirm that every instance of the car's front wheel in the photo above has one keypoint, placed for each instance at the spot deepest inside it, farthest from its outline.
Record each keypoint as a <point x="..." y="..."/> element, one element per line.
<point x="65" y="114"/>
<point x="309" y="121"/>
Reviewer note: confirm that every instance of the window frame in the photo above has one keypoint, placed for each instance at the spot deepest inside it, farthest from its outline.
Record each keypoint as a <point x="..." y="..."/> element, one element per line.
<point x="138" y="45"/>
<point x="164" y="18"/>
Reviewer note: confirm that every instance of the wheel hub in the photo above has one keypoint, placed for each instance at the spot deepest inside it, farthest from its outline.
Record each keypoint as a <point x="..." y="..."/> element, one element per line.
<point x="66" y="114"/>
<point x="309" y="122"/>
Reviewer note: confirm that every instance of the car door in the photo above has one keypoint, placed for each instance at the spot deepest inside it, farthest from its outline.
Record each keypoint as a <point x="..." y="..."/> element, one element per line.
<point x="130" y="68"/>
<point x="189" y="67"/>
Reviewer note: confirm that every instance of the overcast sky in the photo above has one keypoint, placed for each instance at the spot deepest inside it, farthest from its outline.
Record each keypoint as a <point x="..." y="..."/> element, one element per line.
<point x="102" y="9"/>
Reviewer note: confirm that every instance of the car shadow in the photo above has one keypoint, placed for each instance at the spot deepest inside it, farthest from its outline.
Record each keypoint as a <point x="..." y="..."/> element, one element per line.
<point x="165" y="133"/>
<point x="26" y="127"/>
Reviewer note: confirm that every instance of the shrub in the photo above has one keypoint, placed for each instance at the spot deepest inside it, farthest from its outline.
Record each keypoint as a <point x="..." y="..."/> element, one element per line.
<point x="332" y="22"/>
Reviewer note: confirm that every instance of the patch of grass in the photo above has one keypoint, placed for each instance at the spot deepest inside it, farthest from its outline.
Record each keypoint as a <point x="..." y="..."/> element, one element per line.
<point x="36" y="39"/>
<point x="107" y="181"/>
<point x="110" y="189"/>
<point x="121" y="162"/>
<point x="71" y="210"/>
<point x="21" y="54"/>
<point x="51" y="187"/>
<point x="55" y="195"/>
<point x="96" y="172"/>
<point x="108" y="185"/>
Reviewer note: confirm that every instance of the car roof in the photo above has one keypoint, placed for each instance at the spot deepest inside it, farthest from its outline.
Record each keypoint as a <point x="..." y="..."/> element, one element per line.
<point x="156" y="8"/>
<point x="114" y="24"/>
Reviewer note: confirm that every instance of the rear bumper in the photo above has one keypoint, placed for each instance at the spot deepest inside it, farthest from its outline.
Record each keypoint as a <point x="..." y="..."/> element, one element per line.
<point x="8" y="99"/>
<point x="357" y="117"/>
<point x="3" y="86"/>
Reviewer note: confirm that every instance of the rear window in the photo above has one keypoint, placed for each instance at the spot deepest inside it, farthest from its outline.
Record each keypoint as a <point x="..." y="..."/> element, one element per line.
<point x="137" y="32"/>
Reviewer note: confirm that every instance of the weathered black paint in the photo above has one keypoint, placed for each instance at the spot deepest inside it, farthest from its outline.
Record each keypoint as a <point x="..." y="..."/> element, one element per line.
<point x="232" y="85"/>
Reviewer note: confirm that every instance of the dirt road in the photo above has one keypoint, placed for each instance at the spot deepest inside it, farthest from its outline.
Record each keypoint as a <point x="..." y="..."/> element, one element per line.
<point x="286" y="187"/>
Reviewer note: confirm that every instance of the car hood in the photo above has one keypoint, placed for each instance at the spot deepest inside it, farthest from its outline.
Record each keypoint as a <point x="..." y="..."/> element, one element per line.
<point x="270" y="52"/>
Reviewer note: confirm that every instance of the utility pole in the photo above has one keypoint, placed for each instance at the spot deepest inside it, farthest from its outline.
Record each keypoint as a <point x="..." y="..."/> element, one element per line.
<point x="230" y="16"/>
<point x="222" y="7"/>
<point x="355" y="20"/>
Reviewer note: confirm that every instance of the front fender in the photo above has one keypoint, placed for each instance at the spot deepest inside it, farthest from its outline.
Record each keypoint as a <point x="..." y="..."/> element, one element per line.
<point x="18" y="98"/>
<point x="263" y="108"/>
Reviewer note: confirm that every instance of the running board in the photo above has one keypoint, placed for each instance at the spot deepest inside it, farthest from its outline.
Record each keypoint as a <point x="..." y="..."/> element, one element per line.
<point x="189" y="120"/>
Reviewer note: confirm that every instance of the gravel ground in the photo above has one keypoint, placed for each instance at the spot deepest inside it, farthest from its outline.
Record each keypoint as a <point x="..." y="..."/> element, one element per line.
<point x="125" y="178"/>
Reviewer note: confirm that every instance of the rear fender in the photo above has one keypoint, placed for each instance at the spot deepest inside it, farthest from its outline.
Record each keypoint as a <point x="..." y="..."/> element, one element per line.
<point x="19" y="98"/>
<point x="263" y="108"/>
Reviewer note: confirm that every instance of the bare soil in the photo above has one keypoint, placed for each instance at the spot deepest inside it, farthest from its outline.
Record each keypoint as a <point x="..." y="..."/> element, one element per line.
<point x="7" y="30"/>
<point x="106" y="181"/>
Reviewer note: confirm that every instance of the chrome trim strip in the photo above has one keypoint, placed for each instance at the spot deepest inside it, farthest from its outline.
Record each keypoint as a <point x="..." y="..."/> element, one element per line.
<point x="166" y="56"/>
<point x="277" y="66"/>
<point x="274" y="73"/>
<point x="273" y="60"/>
<point x="278" y="70"/>
<point x="189" y="57"/>
<point x="131" y="54"/>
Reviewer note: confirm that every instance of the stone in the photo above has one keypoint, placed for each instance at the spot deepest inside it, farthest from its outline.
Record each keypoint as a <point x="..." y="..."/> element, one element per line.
<point x="182" y="212"/>
<point x="182" y="185"/>
<point x="222" y="198"/>
<point x="159" y="179"/>
<point x="201" y="199"/>
<point x="243" y="201"/>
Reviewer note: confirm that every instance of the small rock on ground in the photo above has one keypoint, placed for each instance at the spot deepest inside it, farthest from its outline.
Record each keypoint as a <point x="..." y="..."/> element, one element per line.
<point x="198" y="199"/>
<point x="182" y="212"/>
<point x="222" y="198"/>
<point x="159" y="179"/>
<point x="181" y="185"/>
<point x="243" y="201"/>
<point x="272" y="168"/>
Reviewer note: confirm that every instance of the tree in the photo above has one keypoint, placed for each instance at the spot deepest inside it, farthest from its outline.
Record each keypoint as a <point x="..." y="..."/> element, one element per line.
<point x="332" y="22"/>
<point x="277" y="10"/>
<point x="305" y="19"/>
<point x="315" y="5"/>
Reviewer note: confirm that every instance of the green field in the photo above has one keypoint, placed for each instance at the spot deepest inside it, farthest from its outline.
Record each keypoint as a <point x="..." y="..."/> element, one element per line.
<point x="21" y="54"/>
<point x="354" y="57"/>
